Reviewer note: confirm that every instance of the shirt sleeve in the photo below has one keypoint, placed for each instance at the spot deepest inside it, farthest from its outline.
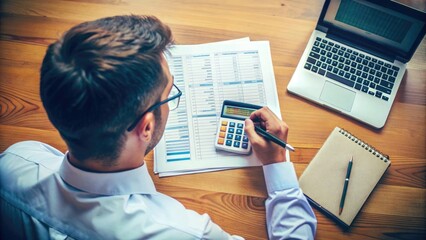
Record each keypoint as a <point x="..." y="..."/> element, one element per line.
<point x="288" y="213"/>
<point x="213" y="231"/>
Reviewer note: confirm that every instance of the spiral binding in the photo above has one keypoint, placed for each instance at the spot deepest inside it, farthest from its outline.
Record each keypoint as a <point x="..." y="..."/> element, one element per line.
<point x="365" y="145"/>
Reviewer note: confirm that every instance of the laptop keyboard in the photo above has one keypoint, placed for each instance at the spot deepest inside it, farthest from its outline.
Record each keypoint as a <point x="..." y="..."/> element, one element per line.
<point x="352" y="68"/>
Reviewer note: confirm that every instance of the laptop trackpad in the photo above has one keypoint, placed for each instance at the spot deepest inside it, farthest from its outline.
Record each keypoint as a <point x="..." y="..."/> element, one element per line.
<point x="338" y="96"/>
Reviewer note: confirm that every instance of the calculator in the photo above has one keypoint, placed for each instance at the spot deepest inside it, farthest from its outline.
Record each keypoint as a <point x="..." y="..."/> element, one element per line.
<point x="230" y="135"/>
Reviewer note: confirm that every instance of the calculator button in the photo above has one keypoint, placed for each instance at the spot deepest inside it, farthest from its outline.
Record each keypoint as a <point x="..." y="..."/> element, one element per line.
<point x="245" y="145"/>
<point x="224" y="123"/>
<point x="245" y="138"/>
<point x="239" y="131"/>
<point x="223" y="129"/>
<point x="220" y="141"/>
<point x="230" y="136"/>
<point x="228" y="142"/>
<point x="238" y="137"/>
<point x="240" y="125"/>
<point x="222" y="134"/>
<point x="237" y="144"/>
<point x="232" y="124"/>
<point x="231" y="130"/>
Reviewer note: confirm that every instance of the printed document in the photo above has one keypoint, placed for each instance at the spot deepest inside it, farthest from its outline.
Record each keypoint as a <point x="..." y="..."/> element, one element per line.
<point x="208" y="74"/>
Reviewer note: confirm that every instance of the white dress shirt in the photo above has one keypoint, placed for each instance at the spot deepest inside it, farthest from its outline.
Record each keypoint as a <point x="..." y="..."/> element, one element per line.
<point x="43" y="196"/>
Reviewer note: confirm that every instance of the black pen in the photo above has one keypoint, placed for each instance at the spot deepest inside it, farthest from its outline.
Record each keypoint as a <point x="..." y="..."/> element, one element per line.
<point x="345" y="187"/>
<point x="272" y="138"/>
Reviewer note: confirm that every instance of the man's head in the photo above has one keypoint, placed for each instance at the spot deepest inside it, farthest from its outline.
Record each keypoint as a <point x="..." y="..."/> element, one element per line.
<point x="99" y="77"/>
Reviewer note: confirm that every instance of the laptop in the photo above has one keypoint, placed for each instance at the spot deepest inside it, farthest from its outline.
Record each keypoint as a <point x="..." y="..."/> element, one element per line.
<point x="357" y="55"/>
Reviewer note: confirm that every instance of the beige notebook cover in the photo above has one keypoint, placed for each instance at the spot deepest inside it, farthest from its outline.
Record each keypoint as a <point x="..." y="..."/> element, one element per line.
<point x="322" y="181"/>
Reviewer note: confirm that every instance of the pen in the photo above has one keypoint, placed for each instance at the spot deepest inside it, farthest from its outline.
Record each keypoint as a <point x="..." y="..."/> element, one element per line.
<point x="272" y="138"/>
<point x="345" y="187"/>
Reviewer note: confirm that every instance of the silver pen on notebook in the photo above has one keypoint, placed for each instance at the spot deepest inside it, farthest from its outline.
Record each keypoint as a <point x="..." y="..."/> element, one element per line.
<point x="345" y="186"/>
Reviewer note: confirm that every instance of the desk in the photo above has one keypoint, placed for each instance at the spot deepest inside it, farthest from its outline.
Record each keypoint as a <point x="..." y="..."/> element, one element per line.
<point x="234" y="199"/>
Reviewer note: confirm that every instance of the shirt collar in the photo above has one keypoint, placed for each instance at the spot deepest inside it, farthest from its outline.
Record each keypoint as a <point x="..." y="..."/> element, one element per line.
<point x="134" y="181"/>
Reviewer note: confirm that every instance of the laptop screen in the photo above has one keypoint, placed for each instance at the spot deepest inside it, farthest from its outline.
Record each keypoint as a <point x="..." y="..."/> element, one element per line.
<point x="377" y="23"/>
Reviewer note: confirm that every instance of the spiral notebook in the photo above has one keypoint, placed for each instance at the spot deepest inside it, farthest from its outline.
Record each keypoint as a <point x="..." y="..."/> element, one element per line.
<point x="323" y="179"/>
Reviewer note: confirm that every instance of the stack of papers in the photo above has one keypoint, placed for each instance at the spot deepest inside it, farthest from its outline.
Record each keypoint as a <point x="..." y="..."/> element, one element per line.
<point x="207" y="74"/>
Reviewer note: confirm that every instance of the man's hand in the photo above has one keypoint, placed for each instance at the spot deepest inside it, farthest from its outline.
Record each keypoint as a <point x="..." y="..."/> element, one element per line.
<point x="266" y="151"/>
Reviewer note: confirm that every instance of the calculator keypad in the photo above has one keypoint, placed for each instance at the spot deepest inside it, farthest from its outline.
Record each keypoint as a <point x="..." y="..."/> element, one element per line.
<point x="232" y="135"/>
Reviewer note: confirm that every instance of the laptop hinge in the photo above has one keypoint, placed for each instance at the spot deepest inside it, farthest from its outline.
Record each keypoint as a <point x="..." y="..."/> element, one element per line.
<point x="371" y="49"/>
<point x="321" y="28"/>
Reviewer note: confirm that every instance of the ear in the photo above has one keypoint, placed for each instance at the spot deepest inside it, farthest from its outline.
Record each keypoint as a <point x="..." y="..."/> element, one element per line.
<point x="145" y="128"/>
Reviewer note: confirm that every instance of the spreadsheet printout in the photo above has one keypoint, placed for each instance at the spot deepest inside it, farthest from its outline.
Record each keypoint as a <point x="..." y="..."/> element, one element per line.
<point x="207" y="75"/>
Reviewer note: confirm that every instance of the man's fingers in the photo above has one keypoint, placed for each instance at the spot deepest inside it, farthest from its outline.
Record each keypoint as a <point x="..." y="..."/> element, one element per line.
<point x="267" y="119"/>
<point x="251" y="133"/>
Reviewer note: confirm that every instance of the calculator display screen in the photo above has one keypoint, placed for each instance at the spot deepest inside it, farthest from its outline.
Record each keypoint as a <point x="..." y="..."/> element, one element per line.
<point x="237" y="112"/>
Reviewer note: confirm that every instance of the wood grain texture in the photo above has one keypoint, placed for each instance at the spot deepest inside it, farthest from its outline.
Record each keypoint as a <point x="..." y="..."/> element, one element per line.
<point x="234" y="199"/>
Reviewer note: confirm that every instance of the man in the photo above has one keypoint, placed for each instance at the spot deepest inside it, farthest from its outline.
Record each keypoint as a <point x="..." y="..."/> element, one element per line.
<point x="107" y="88"/>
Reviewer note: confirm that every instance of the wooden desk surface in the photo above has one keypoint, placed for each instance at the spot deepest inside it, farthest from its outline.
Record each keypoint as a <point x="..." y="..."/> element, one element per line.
<point x="234" y="199"/>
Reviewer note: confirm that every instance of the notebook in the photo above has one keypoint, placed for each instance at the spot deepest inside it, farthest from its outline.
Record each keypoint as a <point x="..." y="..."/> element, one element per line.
<point x="323" y="180"/>
<point x="356" y="57"/>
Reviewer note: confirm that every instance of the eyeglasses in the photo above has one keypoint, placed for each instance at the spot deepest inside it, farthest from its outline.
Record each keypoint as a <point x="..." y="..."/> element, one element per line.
<point x="173" y="100"/>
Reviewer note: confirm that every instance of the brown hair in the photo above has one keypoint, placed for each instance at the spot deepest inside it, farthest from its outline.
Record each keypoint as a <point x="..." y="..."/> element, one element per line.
<point x="99" y="77"/>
